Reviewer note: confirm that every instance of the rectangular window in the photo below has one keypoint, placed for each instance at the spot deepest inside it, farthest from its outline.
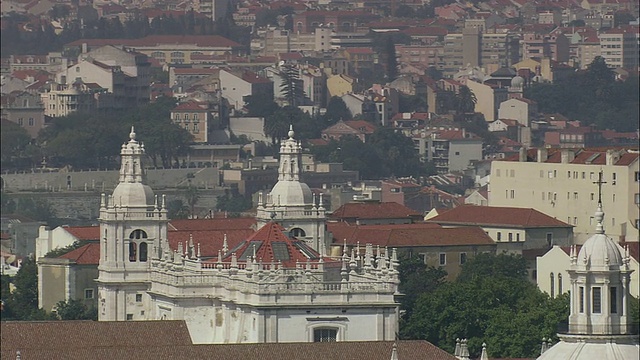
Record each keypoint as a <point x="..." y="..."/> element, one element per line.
<point x="597" y="300"/>
<point x="499" y="236"/>
<point x="513" y="173"/>
<point x="637" y="176"/>
<point x="636" y="198"/>
<point x="325" y="335"/>
<point x="510" y="236"/>
<point x="443" y="259"/>
<point x="497" y="172"/>
<point x="88" y="293"/>
<point x="575" y="196"/>
<point x="513" y="194"/>
<point x="550" y="174"/>
<point x="593" y="196"/>
<point x="129" y="316"/>
<point x="582" y="299"/>
<point x="584" y="175"/>
<point x="568" y="174"/>
<point x="614" y="177"/>
<point x="138" y="297"/>
<point x="463" y="258"/>
<point x="549" y="239"/>
<point x="518" y="237"/>
<point x="575" y="220"/>
<point x="31" y="122"/>
<point x="613" y="299"/>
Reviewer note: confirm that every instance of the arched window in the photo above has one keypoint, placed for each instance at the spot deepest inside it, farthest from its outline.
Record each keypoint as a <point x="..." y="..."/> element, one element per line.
<point x="138" y="234"/>
<point x="552" y="285"/>
<point x="297" y="232"/>
<point x="559" y="284"/>
<point x="133" y="247"/>
<point x="143" y="251"/>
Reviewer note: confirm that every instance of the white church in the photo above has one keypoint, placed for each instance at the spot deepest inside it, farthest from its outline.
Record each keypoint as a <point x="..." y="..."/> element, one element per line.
<point x="276" y="286"/>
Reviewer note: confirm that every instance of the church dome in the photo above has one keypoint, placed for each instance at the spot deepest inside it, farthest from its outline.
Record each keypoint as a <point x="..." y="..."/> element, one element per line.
<point x="134" y="195"/>
<point x="291" y="193"/>
<point x="517" y="82"/>
<point x="600" y="250"/>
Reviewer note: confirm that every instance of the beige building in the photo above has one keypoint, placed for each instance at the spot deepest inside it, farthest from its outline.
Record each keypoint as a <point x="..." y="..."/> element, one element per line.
<point x="560" y="183"/>
<point x="619" y="48"/>
<point x="489" y="98"/>
<point x="338" y="85"/>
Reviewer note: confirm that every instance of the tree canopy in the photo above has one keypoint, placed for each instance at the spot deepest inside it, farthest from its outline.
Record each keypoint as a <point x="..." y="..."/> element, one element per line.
<point x="97" y="137"/>
<point x="491" y="301"/>
<point x="385" y="153"/>
<point x="592" y="96"/>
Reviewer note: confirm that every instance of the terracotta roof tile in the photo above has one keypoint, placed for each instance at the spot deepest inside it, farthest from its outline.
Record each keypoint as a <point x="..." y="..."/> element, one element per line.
<point x="86" y="255"/>
<point x="407" y="235"/>
<point x="84" y="232"/>
<point x="497" y="216"/>
<point x="382" y="210"/>
<point x="191" y="106"/>
<point x="71" y="340"/>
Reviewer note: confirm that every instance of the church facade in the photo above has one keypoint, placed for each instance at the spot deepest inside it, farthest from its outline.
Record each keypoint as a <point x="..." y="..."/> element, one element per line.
<point x="276" y="286"/>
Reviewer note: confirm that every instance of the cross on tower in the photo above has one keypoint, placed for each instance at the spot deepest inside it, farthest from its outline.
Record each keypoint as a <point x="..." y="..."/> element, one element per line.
<point x="600" y="182"/>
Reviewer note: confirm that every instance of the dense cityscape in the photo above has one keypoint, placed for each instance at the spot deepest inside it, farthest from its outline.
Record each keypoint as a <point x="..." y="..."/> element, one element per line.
<point x="397" y="179"/>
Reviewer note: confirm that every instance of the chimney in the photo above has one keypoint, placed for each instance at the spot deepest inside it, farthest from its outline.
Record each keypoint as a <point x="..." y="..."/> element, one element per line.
<point x="522" y="155"/>
<point x="567" y="156"/>
<point x="542" y="154"/>
<point x="612" y="157"/>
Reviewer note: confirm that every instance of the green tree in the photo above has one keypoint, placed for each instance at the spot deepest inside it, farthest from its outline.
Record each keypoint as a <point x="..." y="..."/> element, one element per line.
<point x="465" y="101"/>
<point x="390" y="59"/>
<point x="233" y="202"/>
<point x="177" y="209"/>
<point x="336" y="110"/>
<point x="491" y="301"/>
<point x="24" y="299"/>
<point x="416" y="278"/>
<point x="57" y="252"/>
<point x="75" y="309"/>
<point x="14" y="141"/>
<point x="291" y="84"/>
<point x="260" y="105"/>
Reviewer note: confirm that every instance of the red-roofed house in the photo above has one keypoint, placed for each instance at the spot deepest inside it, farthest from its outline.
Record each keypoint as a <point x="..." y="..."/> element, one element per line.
<point x="68" y="277"/>
<point x="513" y="229"/>
<point x="448" y="248"/>
<point x="375" y="213"/>
<point x="358" y="128"/>
<point x="560" y="183"/>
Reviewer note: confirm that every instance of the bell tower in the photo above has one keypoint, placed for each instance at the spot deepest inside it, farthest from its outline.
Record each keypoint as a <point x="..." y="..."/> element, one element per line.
<point x="599" y="276"/>
<point x="291" y="203"/>
<point x="133" y="228"/>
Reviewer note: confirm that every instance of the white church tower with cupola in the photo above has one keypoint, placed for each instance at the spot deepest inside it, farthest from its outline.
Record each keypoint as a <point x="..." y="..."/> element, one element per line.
<point x="291" y="203"/>
<point x="600" y="326"/>
<point x="133" y="223"/>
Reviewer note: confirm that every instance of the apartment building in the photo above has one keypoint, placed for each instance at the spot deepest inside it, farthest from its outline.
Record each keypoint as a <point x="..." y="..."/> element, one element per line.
<point x="619" y="47"/>
<point x="552" y="45"/>
<point x="473" y="47"/>
<point x="194" y="117"/>
<point x="449" y="150"/>
<point x="560" y="183"/>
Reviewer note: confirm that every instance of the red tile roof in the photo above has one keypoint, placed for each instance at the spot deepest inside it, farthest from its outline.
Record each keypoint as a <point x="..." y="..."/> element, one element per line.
<point x="407" y="235"/>
<point x="142" y="340"/>
<point x="191" y="106"/>
<point x="382" y="210"/>
<point x="84" y="232"/>
<point x="361" y="125"/>
<point x="497" y="216"/>
<point x="85" y="255"/>
<point x="272" y="245"/>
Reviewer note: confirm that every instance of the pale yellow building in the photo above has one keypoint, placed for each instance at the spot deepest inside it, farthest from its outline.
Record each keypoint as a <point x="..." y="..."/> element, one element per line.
<point x="339" y="85"/>
<point x="560" y="183"/>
